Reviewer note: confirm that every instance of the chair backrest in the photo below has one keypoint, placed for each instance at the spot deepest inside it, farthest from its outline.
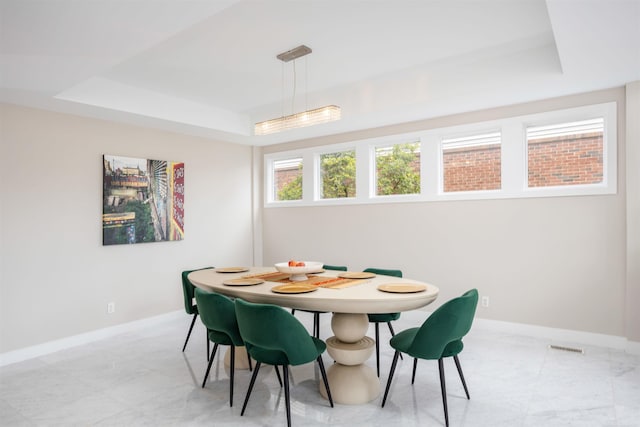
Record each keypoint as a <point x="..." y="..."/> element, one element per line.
<point x="218" y="313"/>
<point x="335" y="267"/>
<point x="384" y="272"/>
<point x="447" y="325"/>
<point x="272" y="328"/>
<point x="187" y="291"/>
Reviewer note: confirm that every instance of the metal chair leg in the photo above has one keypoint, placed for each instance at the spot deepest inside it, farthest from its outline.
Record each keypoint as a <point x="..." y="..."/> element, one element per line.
<point x="393" y="369"/>
<point x="377" y="348"/>
<point x="278" y="374"/>
<point x="287" y="402"/>
<point x="316" y="325"/>
<point x="464" y="384"/>
<point x="393" y="334"/>
<point x="324" y="379"/>
<point x="253" y="380"/>
<point x="208" y="342"/>
<point x="193" y="322"/>
<point x="443" y="387"/>
<point x="415" y="365"/>
<point x="249" y="358"/>
<point x="206" y="375"/>
<point x="232" y="363"/>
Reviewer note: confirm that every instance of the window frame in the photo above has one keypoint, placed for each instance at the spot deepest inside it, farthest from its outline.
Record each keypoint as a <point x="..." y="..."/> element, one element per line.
<point x="477" y="131"/>
<point x="270" y="170"/>
<point x="514" y="162"/>
<point x="373" y="166"/>
<point x="317" y="163"/>
<point x="609" y="150"/>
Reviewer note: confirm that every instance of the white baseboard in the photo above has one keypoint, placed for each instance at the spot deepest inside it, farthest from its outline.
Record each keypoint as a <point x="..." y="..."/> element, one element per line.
<point x="554" y="335"/>
<point x="560" y="336"/>
<point x="86" y="338"/>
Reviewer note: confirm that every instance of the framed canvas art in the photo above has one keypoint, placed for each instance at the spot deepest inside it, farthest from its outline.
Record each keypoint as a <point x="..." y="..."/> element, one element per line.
<point x="142" y="200"/>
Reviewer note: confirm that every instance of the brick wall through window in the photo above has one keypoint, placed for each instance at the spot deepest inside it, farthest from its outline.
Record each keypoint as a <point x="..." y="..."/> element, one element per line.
<point x="557" y="160"/>
<point x="472" y="168"/>
<point x="565" y="160"/>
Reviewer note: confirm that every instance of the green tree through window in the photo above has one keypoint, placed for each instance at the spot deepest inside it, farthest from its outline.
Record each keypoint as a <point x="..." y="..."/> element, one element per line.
<point x="338" y="175"/>
<point x="291" y="190"/>
<point x="287" y="176"/>
<point x="398" y="169"/>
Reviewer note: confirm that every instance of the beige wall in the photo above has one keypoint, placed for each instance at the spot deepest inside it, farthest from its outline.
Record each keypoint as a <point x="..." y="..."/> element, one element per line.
<point x="565" y="262"/>
<point x="56" y="278"/>
<point x="557" y="262"/>
<point x="633" y="212"/>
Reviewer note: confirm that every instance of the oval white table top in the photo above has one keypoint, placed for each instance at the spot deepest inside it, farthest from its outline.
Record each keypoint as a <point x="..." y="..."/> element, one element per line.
<point x="360" y="298"/>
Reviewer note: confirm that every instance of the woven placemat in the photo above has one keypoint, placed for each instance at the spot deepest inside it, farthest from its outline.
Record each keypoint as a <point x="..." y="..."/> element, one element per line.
<point x="320" y="281"/>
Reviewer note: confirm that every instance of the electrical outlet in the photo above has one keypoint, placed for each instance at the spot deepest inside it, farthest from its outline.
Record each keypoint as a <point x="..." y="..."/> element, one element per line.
<point x="111" y="308"/>
<point x="485" y="302"/>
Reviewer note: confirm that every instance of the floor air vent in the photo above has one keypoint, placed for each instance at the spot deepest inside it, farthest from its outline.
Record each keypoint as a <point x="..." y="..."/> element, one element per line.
<point x="563" y="348"/>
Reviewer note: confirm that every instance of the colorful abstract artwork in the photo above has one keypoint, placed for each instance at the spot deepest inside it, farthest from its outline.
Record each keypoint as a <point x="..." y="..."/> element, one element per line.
<point x="142" y="200"/>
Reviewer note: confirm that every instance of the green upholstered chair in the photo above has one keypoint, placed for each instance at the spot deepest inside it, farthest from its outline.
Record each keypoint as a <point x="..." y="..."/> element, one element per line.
<point x="189" y="305"/>
<point x="439" y="336"/>
<point x="335" y="267"/>
<point x="384" y="317"/>
<point x="218" y="314"/>
<point x="316" y="314"/>
<point x="274" y="336"/>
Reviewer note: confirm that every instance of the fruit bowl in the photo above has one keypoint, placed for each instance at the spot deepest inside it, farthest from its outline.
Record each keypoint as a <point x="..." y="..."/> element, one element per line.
<point x="299" y="273"/>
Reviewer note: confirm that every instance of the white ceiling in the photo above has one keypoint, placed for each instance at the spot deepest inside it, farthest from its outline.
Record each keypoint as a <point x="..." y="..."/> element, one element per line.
<point x="209" y="67"/>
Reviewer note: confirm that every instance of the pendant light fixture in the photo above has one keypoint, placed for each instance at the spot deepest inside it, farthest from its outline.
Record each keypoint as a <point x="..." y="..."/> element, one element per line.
<point x="305" y="118"/>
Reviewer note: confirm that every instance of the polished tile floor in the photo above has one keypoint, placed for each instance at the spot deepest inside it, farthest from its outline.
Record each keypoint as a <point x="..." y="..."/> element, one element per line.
<point x="142" y="378"/>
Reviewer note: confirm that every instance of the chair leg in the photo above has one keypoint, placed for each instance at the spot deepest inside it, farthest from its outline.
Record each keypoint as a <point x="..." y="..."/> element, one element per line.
<point x="415" y="365"/>
<point x="253" y="380"/>
<point x="193" y="322"/>
<point x="443" y="387"/>
<point x="293" y="311"/>
<point x="232" y="363"/>
<point x="393" y="369"/>
<point x="208" y="342"/>
<point x="324" y="379"/>
<point x="316" y="325"/>
<point x="249" y="358"/>
<point x="287" y="402"/>
<point x="377" y="348"/>
<point x="213" y="353"/>
<point x="393" y="334"/>
<point x="278" y="374"/>
<point x="464" y="384"/>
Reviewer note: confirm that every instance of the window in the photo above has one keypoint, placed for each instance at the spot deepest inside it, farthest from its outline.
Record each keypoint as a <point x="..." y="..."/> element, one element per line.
<point x="471" y="163"/>
<point x="565" y="154"/>
<point x="338" y="174"/>
<point x="287" y="179"/>
<point x="398" y="169"/>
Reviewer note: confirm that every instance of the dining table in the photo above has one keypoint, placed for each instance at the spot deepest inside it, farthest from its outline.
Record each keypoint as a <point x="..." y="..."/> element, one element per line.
<point x="349" y="296"/>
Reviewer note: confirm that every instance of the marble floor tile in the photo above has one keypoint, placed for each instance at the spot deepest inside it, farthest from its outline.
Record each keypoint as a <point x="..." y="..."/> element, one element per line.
<point x="141" y="378"/>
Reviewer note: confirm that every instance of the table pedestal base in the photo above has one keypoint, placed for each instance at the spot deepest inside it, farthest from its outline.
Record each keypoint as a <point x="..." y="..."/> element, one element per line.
<point x="241" y="359"/>
<point x="351" y="381"/>
<point x="352" y="385"/>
